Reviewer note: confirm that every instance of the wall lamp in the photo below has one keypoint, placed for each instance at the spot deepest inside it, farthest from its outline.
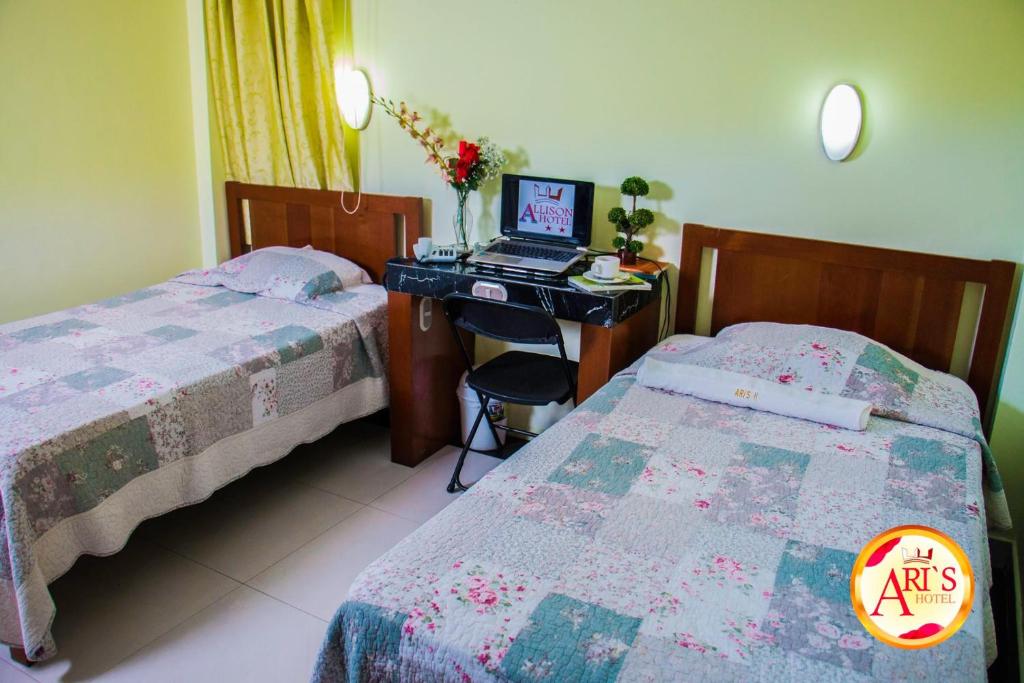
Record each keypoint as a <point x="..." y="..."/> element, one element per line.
<point x="352" y="88"/>
<point x="841" y="116"/>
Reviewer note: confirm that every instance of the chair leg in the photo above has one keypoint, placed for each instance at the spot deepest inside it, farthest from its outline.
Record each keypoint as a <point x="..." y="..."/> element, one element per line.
<point x="456" y="485"/>
<point x="499" y="448"/>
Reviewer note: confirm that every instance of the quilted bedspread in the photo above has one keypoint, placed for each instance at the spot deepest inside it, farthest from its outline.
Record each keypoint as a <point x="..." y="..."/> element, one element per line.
<point x="656" y="537"/>
<point x="102" y="408"/>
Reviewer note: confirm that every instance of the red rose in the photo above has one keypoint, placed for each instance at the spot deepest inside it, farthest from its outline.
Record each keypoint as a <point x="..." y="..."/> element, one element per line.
<point x="469" y="155"/>
<point x="468" y="152"/>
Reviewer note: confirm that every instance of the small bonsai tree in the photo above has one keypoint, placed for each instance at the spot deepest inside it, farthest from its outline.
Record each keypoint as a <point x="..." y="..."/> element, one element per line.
<point x="630" y="224"/>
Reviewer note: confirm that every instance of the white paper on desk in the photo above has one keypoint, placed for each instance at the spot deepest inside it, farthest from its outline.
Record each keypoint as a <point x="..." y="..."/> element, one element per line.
<point x="723" y="386"/>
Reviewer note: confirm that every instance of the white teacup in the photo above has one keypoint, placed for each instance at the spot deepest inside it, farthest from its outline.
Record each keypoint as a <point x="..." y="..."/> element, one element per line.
<point x="605" y="266"/>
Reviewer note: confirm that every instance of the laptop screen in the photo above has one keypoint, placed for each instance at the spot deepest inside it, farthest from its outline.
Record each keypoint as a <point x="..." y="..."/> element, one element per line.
<point x="559" y="211"/>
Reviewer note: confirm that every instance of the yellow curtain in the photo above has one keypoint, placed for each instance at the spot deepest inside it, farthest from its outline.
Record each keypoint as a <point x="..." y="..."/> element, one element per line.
<point x="272" y="77"/>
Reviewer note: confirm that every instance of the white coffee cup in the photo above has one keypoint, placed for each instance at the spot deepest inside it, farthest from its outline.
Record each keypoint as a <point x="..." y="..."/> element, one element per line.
<point x="605" y="266"/>
<point x="422" y="247"/>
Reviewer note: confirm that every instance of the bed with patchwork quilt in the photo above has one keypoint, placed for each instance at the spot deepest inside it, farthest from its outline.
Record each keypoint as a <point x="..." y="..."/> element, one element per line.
<point x="118" y="411"/>
<point x="651" y="536"/>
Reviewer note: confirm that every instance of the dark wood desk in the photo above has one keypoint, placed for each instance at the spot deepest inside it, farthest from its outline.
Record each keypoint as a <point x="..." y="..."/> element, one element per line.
<point x="425" y="365"/>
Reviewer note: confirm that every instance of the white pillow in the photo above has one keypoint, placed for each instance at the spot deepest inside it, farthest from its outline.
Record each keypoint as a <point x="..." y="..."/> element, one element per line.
<point x="282" y="273"/>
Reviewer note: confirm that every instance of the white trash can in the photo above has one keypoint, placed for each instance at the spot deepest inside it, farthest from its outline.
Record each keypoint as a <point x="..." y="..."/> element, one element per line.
<point x="483" y="440"/>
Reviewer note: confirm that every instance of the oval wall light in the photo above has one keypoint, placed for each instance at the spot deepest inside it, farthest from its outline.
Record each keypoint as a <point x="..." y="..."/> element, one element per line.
<point x="352" y="88"/>
<point x="841" y="117"/>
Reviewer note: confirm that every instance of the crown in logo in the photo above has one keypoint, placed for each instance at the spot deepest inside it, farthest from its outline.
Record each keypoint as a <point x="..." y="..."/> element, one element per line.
<point x="547" y="194"/>
<point x="919" y="558"/>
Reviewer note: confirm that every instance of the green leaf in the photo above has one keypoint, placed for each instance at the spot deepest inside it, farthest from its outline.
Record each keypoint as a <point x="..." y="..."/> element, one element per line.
<point x="635" y="186"/>
<point x="641" y="218"/>
<point x="616" y="215"/>
<point x="619" y="242"/>
<point x="635" y="246"/>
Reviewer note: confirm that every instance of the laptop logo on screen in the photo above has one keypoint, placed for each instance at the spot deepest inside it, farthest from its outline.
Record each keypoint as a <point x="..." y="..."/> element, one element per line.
<point x="548" y="211"/>
<point x="545" y="195"/>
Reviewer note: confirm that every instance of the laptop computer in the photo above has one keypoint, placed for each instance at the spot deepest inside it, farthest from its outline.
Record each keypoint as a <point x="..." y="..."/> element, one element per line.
<point x="545" y="225"/>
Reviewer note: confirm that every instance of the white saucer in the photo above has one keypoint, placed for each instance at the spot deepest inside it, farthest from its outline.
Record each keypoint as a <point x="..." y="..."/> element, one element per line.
<point x="619" y="277"/>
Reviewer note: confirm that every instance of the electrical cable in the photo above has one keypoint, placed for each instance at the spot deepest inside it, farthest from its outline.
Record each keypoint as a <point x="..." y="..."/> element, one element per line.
<point x="665" y="321"/>
<point x="359" y="179"/>
<point x="359" y="199"/>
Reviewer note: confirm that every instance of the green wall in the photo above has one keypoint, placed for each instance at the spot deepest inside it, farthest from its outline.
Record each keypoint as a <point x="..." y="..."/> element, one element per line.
<point x="1008" y="435"/>
<point x="97" y="162"/>
<point x="718" y="103"/>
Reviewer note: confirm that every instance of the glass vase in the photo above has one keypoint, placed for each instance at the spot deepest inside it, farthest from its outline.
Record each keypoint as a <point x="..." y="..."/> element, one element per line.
<point x="462" y="221"/>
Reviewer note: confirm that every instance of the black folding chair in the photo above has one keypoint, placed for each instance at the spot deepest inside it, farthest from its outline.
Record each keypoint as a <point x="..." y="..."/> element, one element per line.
<point x="521" y="377"/>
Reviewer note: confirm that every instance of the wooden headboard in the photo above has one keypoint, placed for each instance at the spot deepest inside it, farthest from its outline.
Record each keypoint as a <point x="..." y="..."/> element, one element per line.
<point x="909" y="301"/>
<point x="383" y="227"/>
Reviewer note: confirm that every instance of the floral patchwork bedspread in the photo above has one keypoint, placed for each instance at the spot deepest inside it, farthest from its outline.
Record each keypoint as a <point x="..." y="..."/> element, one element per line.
<point x="656" y="537"/>
<point x="101" y="396"/>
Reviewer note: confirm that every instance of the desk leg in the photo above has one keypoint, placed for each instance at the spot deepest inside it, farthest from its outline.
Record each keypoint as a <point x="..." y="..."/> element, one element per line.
<point x="424" y="371"/>
<point x="606" y="350"/>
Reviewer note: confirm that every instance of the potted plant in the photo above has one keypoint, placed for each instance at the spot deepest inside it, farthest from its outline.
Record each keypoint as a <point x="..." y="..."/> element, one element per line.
<point x="474" y="164"/>
<point x="630" y="224"/>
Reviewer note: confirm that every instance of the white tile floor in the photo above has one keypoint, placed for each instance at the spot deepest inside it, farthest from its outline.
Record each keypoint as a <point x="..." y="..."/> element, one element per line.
<point x="241" y="587"/>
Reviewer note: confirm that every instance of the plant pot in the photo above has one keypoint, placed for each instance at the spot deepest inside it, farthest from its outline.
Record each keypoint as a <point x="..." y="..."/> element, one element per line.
<point x="626" y="257"/>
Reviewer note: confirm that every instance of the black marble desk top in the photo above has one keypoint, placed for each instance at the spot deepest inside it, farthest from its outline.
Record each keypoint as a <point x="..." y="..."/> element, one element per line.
<point x="557" y="296"/>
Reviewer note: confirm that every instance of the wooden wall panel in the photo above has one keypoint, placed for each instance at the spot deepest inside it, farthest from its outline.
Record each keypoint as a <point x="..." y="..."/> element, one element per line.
<point x="321" y="228"/>
<point x="937" y="322"/>
<point x="605" y="351"/>
<point x="368" y="239"/>
<point x="899" y="303"/>
<point x="424" y="372"/>
<point x="298" y="224"/>
<point x="848" y="298"/>
<point x="752" y="287"/>
<point x="268" y="223"/>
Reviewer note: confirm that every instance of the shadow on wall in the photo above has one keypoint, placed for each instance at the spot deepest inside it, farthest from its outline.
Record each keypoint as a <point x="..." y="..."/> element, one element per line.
<point x="866" y="129"/>
<point x="1007" y="447"/>
<point x="607" y="197"/>
<point x="490" y="194"/>
<point x="486" y="224"/>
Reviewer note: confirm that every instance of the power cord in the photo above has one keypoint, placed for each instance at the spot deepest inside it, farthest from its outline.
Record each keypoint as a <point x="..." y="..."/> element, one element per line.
<point x="359" y="199"/>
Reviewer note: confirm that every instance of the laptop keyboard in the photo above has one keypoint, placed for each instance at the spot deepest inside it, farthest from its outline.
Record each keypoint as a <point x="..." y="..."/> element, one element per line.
<point x="531" y="251"/>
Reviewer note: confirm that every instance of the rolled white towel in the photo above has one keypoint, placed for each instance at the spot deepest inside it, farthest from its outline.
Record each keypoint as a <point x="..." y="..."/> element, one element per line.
<point x="723" y="386"/>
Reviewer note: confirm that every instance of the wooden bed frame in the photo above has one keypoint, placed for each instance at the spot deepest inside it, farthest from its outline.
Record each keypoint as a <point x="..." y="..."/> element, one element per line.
<point x="383" y="226"/>
<point x="909" y="301"/>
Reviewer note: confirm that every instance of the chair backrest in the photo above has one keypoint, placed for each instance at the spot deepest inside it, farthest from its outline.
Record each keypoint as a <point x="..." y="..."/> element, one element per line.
<point x="503" y="321"/>
<point x="516" y="323"/>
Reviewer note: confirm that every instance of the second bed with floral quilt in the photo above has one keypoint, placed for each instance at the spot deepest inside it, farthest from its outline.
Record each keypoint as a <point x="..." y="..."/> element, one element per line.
<point x="650" y="536"/>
